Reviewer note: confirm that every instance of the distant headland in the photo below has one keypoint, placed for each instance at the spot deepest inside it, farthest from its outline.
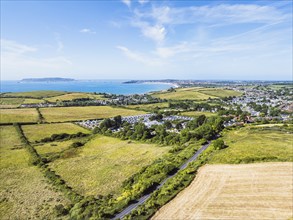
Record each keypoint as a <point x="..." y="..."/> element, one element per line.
<point x="48" y="79"/>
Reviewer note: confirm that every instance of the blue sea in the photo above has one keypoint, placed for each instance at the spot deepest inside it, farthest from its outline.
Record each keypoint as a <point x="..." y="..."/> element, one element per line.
<point x="107" y="86"/>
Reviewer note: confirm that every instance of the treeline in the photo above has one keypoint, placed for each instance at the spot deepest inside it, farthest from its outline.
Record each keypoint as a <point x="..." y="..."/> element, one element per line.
<point x="63" y="136"/>
<point x="190" y="105"/>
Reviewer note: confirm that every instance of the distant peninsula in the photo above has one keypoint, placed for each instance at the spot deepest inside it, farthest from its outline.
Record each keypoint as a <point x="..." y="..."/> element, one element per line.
<point x="49" y="79"/>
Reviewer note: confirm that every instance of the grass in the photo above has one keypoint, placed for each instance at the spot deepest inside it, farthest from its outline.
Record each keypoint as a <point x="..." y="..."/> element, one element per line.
<point x="24" y="192"/>
<point x="196" y="93"/>
<point x="33" y="101"/>
<point x="40" y="131"/>
<point x="75" y="95"/>
<point x="60" y="114"/>
<point x="220" y="92"/>
<point x="149" y="107"/>
<point x="247" y="145"/>
<point x="35" y="94"/>
<point x="53" y="147"/>
<point x="197" y="113"/>
<point x="18" y="115"/>
<point x="10" y="102"/>
<point x="103" y="163"/>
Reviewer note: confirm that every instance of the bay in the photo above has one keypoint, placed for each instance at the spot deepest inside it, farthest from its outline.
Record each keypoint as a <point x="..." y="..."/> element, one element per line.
<point x="102" y="86"/>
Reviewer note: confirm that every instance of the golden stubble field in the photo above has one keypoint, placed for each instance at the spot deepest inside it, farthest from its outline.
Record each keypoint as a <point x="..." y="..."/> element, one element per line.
<point x="247" y="191"/>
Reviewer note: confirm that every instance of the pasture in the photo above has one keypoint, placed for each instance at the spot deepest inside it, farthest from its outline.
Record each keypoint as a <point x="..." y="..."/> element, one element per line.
<point x="18" y="115"/>
<point x="103" y="163"/>
<point x="75" y="95"/>
<point x="198" y="113"/>
<point x="255" y="144"/>
<point x="196" y="93"/>
<point x="10" y="102"/>
<point x="40" y="131"/>
<point x="246" y="191"/>
<point x="60" y="114"/>
<point x="34" y="94"/>
<point x="24" y="192"/>
<point x="149" y="107"/>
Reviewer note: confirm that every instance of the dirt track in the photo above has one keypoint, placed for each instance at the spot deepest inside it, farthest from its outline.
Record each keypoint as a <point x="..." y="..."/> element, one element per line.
<point x="249" y="191"/>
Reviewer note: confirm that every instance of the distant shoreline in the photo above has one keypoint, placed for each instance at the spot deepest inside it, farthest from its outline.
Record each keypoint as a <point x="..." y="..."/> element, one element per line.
<point x="175" y="85"/>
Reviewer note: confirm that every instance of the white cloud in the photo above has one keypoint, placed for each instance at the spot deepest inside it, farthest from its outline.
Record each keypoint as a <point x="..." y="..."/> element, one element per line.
<point x="156" y="32"/>
<point x="17" y="58"/>
<point x="139" y="57"/>
<point x="87" y="31"/>
<point x="127" y="2"/>
<point x="143" y="1"/>
<point x="60" y="45"/>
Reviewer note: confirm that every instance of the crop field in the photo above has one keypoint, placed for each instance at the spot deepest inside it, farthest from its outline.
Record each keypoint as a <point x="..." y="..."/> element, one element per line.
<point x="220" y="92"/>
<point x="149" y="107"/>
<point x="196" y="93"/>
<point x="18" y="115"/>
<point x="60" y="114"/>
<point x="35" y="94"/>
<point x="40" y="131"/>
<point x="75" y="95"/>
<point x="10" y="102"/>
<point x="246" y="191"/>
<point x="24" y="192"/>
<point x="197" y="113"/>
<point x="103" y="163"/>
<point x="248" y="145"/>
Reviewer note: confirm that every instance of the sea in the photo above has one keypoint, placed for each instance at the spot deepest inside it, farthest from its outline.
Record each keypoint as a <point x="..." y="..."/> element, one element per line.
<point x="99" y="86"/>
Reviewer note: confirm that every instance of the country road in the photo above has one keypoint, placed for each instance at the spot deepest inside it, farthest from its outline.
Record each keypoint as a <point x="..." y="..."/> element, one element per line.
<point x="141" y="200"/>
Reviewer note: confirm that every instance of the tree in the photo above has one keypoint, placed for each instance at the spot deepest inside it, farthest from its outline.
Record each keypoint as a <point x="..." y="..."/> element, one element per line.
<point x="219" y="144"/>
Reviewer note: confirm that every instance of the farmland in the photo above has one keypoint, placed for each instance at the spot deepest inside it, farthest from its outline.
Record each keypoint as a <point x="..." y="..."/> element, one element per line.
<point x="149" y="107"/>
<point x="82" y="113"/>
<point x="249" y="144"/>
<point x="18" y="115"/>
<point x="24" y="192"/>
<point x="196" y="93"/>
<point x="105" y="160"/>
<point x="247" y="191"/>
<point x="76" y="95"/>
<point x="197" y="113"/>
<point x="40" y="131"/>
<point x="34" y="94"/>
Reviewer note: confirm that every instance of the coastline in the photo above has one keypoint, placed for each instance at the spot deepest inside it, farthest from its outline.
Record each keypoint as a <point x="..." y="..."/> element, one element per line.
<point x="175" y="85"/>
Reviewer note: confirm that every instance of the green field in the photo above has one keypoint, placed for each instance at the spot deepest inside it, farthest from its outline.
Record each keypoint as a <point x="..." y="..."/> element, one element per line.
<point x="35" y="94"/>
<point x="40" y="131"/>
<point x="149" y="107"/>
<point x="18" y="115"/>
<point x="197" y="113"/>
<point x="255" y="144"/>
<point x="53" y="147"/>
<point x="10" y="102"/>
<point x="33" y="101"/>
<point x="104" y="163"/>
<point x="196" y="93"/>
<point x="60" y="114"/>
<point x="75" y="95"/>
<point x="24" y="192"/>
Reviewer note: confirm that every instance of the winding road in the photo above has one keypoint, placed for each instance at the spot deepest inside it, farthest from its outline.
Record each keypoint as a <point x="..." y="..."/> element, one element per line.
<point x="141" y="200"/>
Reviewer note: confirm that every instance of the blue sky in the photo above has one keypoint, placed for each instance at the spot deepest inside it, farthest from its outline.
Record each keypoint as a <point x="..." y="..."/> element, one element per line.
<point x="144" y="39"/>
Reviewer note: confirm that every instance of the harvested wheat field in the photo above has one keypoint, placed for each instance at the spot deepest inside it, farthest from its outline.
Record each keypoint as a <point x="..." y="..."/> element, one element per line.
<point x="248" y="191"/>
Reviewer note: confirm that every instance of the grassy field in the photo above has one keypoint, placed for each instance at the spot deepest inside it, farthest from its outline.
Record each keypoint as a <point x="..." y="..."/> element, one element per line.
<point x="82" y="113"/>
<point x="10" y="102"/>
<point x="35" y="94"/>
<point x="24" y="192"/>
<point x="33" y="101"/>
<point x="196" y="93"/>
<point x="248" y="144"/>
<point x="246" y="191"/>
<point x="75" y="95"/>
<point x="18" y="115"/>
<point x="219" y="92"/>
<point x="40" y="131"/>
<point x="149" y="107"/>
<point x="197" y="113"/>
<point x="53" y="147"/>
<point x="102" y="164"/>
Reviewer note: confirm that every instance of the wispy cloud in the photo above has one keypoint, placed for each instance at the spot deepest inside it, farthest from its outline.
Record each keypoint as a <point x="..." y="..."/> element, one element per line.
<point x="127" y="2"/>
<point x="60" y="45"/>
<point x="142" y="58"/>
<point x="16" y="56"/>
<point x="87" y="31"/>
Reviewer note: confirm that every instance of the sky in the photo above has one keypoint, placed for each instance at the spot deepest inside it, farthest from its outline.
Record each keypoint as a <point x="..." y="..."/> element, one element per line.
<point x="145" y="39"/>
